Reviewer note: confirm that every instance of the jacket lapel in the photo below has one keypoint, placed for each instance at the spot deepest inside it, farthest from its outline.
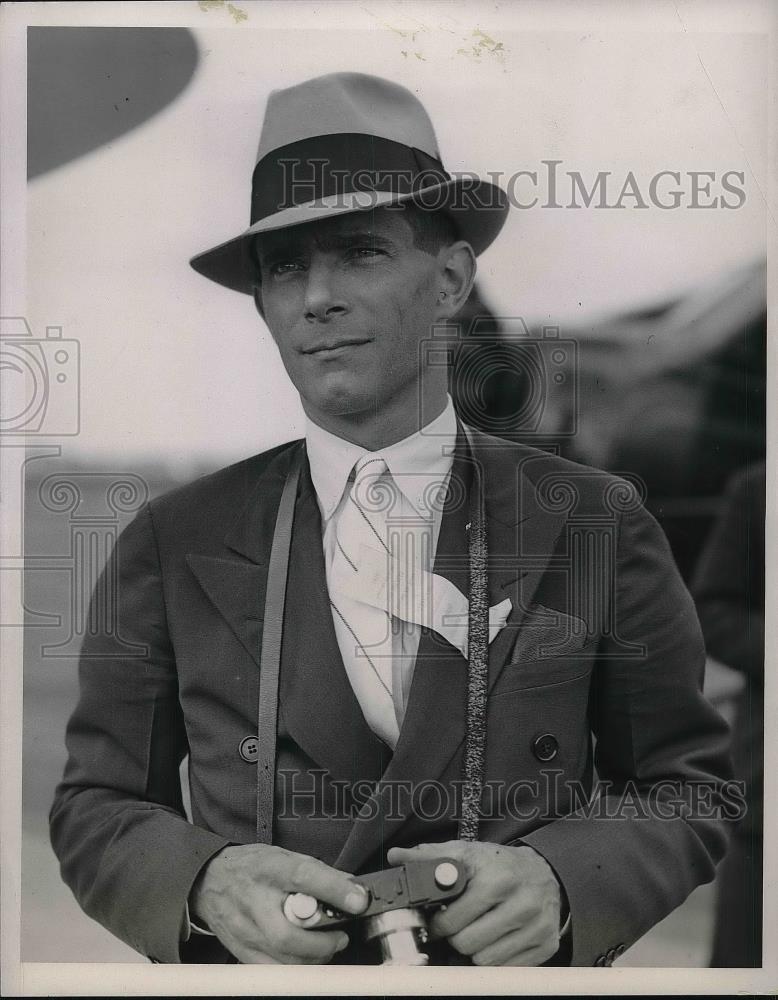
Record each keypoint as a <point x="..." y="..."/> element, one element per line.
<point x="523" y="533"/>
<point x="319" y="707"/>
<point x="521" y="537"/>
<point x="235" y="580"/>
<point x="237" y="591"/>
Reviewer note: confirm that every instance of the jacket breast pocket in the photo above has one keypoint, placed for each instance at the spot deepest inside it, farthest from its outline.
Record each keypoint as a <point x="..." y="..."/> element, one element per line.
<point x="551" y="647"/>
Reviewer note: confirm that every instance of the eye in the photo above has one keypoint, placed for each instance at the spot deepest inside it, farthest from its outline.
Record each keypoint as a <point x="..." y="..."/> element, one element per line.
<point x="366" y="252"/>
<point x="279" y="268"/>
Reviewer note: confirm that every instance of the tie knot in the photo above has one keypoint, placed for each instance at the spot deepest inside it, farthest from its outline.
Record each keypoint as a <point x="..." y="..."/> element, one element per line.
<point x="369" y="465"/>
<point x="372" y="488"/>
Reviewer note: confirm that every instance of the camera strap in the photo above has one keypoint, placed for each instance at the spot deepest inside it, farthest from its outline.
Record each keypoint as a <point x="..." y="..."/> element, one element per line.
<point x="272" y="638"/>
<point x="477" y="657"/>
<point x="270" y="662"/>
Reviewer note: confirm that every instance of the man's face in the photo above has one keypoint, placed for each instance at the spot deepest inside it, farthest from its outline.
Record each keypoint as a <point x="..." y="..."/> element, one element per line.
<point x="348" y="300"/>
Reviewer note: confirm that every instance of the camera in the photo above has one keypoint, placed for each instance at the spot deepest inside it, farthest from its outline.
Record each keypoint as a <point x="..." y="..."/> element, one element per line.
<point x="506" y="379"/>
<point x="41" y="391"/>
<point x="396" y="917"/>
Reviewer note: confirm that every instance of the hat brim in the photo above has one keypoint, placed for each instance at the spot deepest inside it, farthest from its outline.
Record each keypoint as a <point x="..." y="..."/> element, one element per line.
<point x="477" y="208"/>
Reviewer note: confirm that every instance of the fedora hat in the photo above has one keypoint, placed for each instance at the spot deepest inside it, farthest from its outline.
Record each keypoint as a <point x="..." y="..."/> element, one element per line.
<point x="349" y="142"/>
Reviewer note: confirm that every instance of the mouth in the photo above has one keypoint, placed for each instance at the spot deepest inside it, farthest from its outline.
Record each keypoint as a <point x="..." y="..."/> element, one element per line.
<point x="329" y="347"/>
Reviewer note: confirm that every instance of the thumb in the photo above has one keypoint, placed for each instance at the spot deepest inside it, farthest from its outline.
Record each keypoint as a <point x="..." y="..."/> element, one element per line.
<point x="427" y="852"/>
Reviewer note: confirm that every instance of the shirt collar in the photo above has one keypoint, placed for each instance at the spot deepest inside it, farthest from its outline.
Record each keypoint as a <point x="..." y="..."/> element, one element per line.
<point x="414" y="462"/>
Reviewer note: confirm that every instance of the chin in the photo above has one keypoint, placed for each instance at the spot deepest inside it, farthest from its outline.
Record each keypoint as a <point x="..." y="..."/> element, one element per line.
<point x="343" y="397"/>
<point x="347" y="404"/>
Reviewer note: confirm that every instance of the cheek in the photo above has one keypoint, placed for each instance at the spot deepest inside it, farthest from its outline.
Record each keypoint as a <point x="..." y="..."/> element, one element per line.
<point x="280" y="320"/>
<point x="277" y="314"/>
<point x="413" y="324"/>
<point x="405" y="301"/>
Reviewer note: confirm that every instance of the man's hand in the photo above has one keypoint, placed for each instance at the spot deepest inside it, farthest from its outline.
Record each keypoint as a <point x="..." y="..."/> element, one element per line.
<point x="509" y="912"/>
<point x="240" y="896"/>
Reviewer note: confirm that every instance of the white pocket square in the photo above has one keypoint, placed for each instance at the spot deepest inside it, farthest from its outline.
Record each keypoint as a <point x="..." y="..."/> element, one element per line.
<point x="427" y="599"/>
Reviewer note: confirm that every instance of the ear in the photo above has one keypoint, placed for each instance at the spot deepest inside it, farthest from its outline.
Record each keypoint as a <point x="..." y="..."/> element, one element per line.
<point x="456" y="274"/>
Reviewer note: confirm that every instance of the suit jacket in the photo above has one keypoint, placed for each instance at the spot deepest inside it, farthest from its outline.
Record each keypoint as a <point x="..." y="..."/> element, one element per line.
<point x="599" y="666"/>
<point x="730" y="593"/>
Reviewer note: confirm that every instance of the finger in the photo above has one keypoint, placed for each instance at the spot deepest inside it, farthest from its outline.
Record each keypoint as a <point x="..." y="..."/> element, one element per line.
<point x="250" y="937"/>
<point x="274" y="933"/>
<point x="486" y="887"/>
<point x="461" y="913"/>
<point x="240" y="936"/>
<point x="316" y="947"/>
<point x="520" y="947"/>
<point x="489" y="928"/>
<point x="250" y="956"/>
<point x="426" y="852"/>
<point x="328" y="885"/>
<point x="256" y="958"/>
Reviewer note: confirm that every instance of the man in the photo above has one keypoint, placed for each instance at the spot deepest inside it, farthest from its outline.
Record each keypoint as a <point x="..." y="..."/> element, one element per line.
<point x="361" y="247"/>
<point x="729" y="590"/>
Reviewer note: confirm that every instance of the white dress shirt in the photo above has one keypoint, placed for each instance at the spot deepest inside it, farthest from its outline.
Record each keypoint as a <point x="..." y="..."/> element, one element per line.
<point x="420" y="467"/>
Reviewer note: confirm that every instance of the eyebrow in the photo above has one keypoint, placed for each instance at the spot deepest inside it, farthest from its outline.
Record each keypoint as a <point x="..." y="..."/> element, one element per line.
<point x="292" y="247"/>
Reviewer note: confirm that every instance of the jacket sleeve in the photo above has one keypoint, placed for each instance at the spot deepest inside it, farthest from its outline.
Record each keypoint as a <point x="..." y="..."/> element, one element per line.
<point x="117" y="824"/>
<point x="654" y="830"/>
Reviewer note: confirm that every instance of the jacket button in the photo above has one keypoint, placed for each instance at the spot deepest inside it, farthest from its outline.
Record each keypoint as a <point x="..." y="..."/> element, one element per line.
<point x="610" y="955"/>
<point x="599" y="961"/>
<point x="620" y="949"/>
<point x="248" y="749"/>
<point x="545" y="747"/>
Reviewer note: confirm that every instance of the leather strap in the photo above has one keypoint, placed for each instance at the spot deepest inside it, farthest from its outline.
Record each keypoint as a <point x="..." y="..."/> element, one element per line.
<point x="272" y="637"/>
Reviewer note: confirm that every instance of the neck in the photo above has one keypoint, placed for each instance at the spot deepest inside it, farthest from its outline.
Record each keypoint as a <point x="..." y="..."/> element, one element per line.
<point x="377" y="429"/>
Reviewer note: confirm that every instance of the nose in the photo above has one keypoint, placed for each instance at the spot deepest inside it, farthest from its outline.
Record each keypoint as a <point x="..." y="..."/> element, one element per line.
<point x="323" y="303"/>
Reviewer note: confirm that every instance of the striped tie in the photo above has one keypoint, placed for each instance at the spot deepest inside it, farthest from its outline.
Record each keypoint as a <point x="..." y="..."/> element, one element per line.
<point x="377" y="583"/>
<point x="364" y="630"/>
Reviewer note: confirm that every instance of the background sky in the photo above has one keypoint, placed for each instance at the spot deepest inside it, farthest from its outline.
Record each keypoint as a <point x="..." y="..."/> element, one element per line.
<point x="177" y="367"/>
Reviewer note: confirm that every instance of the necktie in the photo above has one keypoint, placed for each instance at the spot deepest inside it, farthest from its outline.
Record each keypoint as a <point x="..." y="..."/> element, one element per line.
<point x="364" y="627"/>
<point x="383" y="563"/>
<point x="381" y="583"/>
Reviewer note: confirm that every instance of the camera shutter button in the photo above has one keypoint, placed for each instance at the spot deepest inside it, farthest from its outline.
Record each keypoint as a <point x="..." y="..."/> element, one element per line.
<point x="446" y="875"/>
<point x="301" y="905"/>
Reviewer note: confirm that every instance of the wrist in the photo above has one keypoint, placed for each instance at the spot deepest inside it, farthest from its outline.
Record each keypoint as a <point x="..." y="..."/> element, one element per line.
<point x="198" y="894"/>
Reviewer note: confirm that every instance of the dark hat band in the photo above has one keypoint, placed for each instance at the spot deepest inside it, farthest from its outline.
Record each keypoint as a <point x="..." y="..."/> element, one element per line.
<point x="326" y="166"/>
